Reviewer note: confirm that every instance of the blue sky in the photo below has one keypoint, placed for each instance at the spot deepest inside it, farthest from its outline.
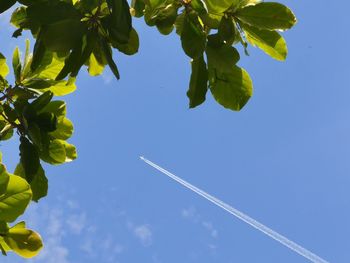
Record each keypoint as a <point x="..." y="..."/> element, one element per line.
<point x="283" y="159"/>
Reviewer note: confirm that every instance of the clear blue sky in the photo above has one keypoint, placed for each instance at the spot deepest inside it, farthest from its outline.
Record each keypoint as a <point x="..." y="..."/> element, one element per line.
<point x="283" y="160"/>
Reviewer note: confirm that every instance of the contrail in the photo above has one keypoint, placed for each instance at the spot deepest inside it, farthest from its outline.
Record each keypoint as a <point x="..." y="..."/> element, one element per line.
<point x="240" y="215"/>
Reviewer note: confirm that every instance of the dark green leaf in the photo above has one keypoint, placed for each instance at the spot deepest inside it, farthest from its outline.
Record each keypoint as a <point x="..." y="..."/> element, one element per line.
<point x="6" y="4"/>
<point x="39" y="184"/>
<point x="29" y="158"/>
<point x="193" y="39"/>
<point x="42" y="101"/>
<point x="107" y="52"/>
<point x="63" y="36"/>
<point x="198" y="83"/>
<point x="38" y="54"/>
<point x="119" y="22"/>
<point x="132" y="46"/>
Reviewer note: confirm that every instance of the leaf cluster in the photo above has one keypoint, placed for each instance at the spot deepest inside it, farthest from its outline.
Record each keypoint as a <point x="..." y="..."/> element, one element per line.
<point x="72" y="34"/>
<point x="27" y="109"/>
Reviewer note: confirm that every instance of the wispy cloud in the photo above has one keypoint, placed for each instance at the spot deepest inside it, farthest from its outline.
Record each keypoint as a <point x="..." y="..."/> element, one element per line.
<point x="144" y="234"/>
<point x="192" y="215"/>
<point x="76" y="223"/>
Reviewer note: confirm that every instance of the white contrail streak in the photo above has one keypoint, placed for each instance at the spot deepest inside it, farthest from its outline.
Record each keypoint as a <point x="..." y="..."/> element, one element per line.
<point x="245" y="218"/>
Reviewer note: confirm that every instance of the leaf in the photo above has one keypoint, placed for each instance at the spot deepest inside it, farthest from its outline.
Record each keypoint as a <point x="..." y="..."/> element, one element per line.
<point x="230" y="85"/>
<point x="38" y="54"/>
<point x="62" y="36"/>
<point x="271" y="42"/>
<point x="4" y="179"/>
<point x="29" y="158"/>
<point x="4" y="69"/>
<point x="22" y="241"/>
<point x="15" y="200"/>
<point x="39" y="185"/>
<point x="222" y="58"/>
<point x="71" y="62"/>
<point x="232" y="89"/>
<point x="94" y="67"/>
<point x="16" y="64"/>
<point x="64" y="129"/>
<point x="107" y="52"/>
<point x="119" y="22"/>
<point x="6" y="4"/>
<point x="137" y="7"/>
<point x="193" y="39"/>
<point x="198" y="83"/>
<point x="227" y="30"/>
<point x="217" y="7"/>
<point x="267" y="15"/>
<point x="57" y="107"/>
<point x="42" y="101"/>
<point x="199" y="6"/>
<point x="132" y="46"/>
<point x="55" y="153"/>
<point x="71" y="152"/>
<point x="47" y="121"/>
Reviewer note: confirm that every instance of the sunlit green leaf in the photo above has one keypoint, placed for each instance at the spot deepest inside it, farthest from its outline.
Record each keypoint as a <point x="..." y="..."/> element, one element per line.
<point x="267" y="15"/>
<point x="15" y="200"/>
<point x="39" y="185"/>
<point x="4" y="69"/>
<point x="22" y="241"/>
<point x="271" y="42"/>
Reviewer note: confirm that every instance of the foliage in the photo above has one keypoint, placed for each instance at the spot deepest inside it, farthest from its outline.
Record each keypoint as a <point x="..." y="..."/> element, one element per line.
<point x="71" y="34"/>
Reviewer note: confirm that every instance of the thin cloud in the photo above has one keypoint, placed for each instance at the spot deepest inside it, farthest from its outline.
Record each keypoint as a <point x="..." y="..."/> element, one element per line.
<point x="192" y="215"/>
<point x="144" y="234"/>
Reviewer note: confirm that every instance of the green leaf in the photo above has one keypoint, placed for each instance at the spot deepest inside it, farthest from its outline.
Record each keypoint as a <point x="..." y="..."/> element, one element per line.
<point x="199" y="6"/>
<point x="230" y="85"/>
<point x="4" y="69"/>
<point x="64" y="129"/>
<point x="55" y="153"/>
<point x="198" y="83"/>
<point x="4" y="179"/>
<point x="29" y="158"/>
<point x="6" y="4"/>
<point x="71" y="152"/>
<point x="62" y="36"/>
<point x="131" y="47"/>
<point x="39" y="185"/>
<point x="218" y="7"/>
<point x="107" y="52"/>
<point x="231" y="89"/>
<point x="222" y="58"/>
<point x="95" y="68"/>
<point x="34" y="134"/>
<point x="227" y="30"/>
<point x="119" y="22"/>
<point x="271" y="42"/>
<point x="193" y="39"/>
<point x="42" y="101"/>
<point x="23" y="242"/>
<point x="267" y="15"/>
<point x="38" y="54"/>
<point x="57" y="107"/>
<point x="15" y="200"/>
<point x="47" y="121"/>
<point x="16" y="64"/>
<point x="137" y="7"/>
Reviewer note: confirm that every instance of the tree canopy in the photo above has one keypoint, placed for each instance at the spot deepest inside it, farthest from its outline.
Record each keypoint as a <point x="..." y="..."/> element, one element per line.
<point x="71" y="35"/>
